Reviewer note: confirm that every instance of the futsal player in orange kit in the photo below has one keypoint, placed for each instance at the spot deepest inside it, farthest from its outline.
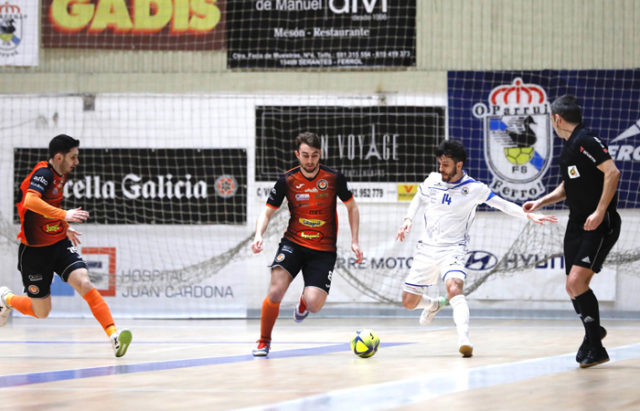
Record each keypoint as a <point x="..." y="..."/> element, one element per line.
<point x="309" y="243"/>
<point x="48" y="244"/>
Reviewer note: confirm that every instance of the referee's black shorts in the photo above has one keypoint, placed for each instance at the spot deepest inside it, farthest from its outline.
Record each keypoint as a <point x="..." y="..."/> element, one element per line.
<point x="590" y="248"/>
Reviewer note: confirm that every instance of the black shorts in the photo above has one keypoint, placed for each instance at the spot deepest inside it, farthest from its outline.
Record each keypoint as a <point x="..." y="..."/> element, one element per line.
<point x="590" y="248"/>
<point x="317" y="266"/>
<point x="37" y="265"/>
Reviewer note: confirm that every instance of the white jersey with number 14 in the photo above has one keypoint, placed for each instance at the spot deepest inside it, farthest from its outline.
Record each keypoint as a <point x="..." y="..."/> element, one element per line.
<point x="449" y="208"/>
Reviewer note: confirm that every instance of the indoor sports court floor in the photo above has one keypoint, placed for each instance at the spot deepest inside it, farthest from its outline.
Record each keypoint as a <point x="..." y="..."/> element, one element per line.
<point x="206" y="365"/>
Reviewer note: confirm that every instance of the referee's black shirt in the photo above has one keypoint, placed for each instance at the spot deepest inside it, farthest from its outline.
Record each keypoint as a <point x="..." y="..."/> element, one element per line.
<point x="579" y="161"/>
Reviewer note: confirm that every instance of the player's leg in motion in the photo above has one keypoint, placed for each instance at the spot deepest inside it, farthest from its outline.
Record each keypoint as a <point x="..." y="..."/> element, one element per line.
<point x="578" y="285"/>
<point x="280" y="280"/>
<point x="460" y="314"/>
<point x="79" y="280"/>
<point x="423" y="274"/>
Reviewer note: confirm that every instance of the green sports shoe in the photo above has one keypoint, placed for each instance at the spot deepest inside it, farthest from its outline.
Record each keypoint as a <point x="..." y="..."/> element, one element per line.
<point x="120" y="342"/>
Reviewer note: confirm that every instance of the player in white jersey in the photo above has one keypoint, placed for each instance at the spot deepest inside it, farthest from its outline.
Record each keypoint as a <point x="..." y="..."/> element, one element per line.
<point x="450" y="198"/>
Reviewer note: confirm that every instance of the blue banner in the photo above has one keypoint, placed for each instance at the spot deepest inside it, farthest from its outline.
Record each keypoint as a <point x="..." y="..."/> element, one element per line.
<point x="503" y="120"/>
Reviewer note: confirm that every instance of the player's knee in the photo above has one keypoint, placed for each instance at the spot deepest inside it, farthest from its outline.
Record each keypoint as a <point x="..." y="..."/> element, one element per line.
<point x="41" y="312"/>
<point x="410" y="301"/>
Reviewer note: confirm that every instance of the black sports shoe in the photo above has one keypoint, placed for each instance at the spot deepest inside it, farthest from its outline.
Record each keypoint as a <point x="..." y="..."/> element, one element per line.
<point x="594" y="356"/>
<point x="582" y="351"/>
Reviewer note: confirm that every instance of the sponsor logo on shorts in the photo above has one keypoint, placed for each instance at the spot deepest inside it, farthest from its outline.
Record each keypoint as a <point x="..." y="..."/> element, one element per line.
<point x="311" y="222"/>
<point x="52" y="228"/>
<point x="572" y="171"/>
<point x="322" y="184"/>
<point x="35" y="277"/>
<point x="280" y="258"/>
<point x="33" y="289"/>
<point x="310" y="235"/>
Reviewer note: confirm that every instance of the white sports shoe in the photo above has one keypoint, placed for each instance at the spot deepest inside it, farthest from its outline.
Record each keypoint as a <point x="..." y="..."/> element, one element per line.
<point x="466" y="349"/>
<point x="5" y="310"/>
<point x="428" y="313"/>
<point x="120" y="342"/>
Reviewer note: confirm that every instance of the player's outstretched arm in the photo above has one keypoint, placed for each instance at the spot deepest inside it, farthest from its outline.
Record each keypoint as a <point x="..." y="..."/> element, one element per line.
<point x="261" y="227"/>
<point x="558" y="194"/>
<point x="354" y="223"/>
<point x="404" y="230"/>
<point x="513" y="209"/>
<point x="77" y="215"/>
<point x="34" y="202"/>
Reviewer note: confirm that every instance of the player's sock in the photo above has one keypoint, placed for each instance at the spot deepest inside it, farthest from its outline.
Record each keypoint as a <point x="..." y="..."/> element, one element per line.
<point x="425" y="302"/>
<point x="100" y="310"/>
<point x="268" y="318"/>
<point x="588" y="304"/>
<point x="578" y="311"/>
<point x="461" y="316"/>
<point x="21" y="303"/>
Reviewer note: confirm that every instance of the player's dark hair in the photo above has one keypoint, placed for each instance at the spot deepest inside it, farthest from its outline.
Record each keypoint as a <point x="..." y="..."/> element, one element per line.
<point x="568" y="108"/>
<point x="452" y="149"/>
<point x="308" y="138"/>
<point x="62" y="144"/>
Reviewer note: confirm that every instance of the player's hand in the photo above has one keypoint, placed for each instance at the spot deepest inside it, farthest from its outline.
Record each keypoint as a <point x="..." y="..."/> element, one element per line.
<point x="358" y="252"/>
<point x="530" y="206"/>
<point x="77" y="215"/>
<point x="256" y="245"/>
<point x="593" y="221"/>
<point x="404" y="230"/>
<point x="541" y="218"/>
<point x="74" y="236"/>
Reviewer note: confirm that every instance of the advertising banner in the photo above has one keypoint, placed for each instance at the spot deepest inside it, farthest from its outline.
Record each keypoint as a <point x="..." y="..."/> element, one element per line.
<point x="321" y="33"/>
<point x="19" y="42"/>
<point x="382" y="144"/>
<point x="152" y="186"/>
<point x="134" y="25"/>
<point x="503" y="118"/>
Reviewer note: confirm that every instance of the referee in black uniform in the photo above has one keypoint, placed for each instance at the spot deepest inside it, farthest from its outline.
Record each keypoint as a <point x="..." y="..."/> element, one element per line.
<point x="589" y="183"/>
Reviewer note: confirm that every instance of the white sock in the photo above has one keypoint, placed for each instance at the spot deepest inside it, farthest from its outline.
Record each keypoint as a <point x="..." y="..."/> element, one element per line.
<point x="425" y="302"/>
<point x="461" y="317"/>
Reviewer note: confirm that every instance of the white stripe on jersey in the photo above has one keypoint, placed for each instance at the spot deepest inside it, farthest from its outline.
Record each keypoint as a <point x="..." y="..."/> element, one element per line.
<point x="449" y="208"/>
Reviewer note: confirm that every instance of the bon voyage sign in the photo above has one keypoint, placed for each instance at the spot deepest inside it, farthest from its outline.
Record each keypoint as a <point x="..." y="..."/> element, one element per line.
<point x="134" y="24"/>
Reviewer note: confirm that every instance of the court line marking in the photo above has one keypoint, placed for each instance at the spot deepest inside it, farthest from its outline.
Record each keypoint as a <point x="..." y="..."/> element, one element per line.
<point x="410" y="391"/>
<point x="14" y="380"/>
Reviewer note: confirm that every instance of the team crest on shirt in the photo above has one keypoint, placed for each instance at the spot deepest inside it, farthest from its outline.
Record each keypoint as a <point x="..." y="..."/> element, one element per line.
<point x="322" y="184"/>
<point x="465" y="190"/>
<point x="572" y="171"/>
<point x="518" y="138"/>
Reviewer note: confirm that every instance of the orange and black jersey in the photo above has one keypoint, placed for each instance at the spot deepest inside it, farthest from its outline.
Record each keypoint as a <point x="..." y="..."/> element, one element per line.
<point x="312" y="205"/>
<point x="36" y="229"/>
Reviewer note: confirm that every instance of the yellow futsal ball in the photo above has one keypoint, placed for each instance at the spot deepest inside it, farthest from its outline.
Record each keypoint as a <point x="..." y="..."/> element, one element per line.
<point x="365" y="343"/>
<point x="518" y="155"/>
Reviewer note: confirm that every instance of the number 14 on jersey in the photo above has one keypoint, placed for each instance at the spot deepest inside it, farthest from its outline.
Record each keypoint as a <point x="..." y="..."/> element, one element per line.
<point x="446" y="198"/>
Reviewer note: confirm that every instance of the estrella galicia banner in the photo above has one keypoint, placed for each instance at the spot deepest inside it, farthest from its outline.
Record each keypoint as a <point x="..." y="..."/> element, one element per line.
<point x="503" y="118"/>
<point x="134" y="24"/>
<point x="366" y="144"/>
<point x="151" y="186"/>
<point x="321" y="33"/>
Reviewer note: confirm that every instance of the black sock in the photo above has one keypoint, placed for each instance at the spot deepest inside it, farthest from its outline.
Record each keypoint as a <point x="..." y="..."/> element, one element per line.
<point x="576" y="307"/>
<point x="588" y="304"/>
